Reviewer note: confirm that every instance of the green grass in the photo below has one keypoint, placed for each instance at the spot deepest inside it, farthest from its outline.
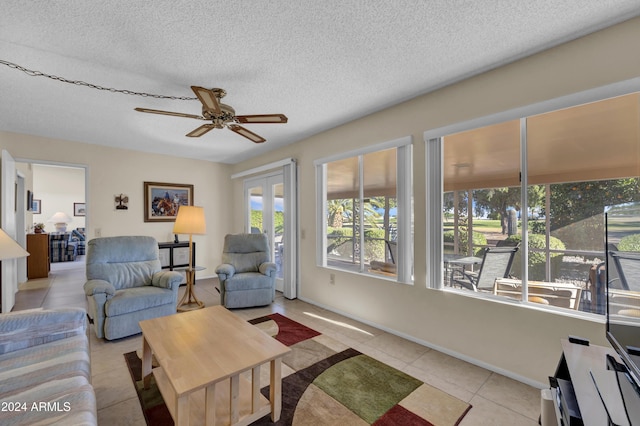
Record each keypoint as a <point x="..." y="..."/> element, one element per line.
<point x="482" y="225"/>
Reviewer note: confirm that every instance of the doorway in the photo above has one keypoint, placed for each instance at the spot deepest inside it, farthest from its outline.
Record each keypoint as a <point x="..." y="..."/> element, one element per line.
<point x="270" y="208"/>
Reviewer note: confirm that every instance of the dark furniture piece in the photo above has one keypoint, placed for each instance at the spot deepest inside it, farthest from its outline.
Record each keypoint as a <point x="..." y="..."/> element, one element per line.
<point x="38" y="263"/>
<point x="496" y="263"/>
<point x="584" y="370"/>
<point x="176" y="255"/>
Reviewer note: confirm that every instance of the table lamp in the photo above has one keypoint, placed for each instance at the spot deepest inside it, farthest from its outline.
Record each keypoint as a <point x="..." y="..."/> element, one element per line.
<point x="190" y="220"/>
<point x="60" y="219"/>
<point x="9" y="248"/>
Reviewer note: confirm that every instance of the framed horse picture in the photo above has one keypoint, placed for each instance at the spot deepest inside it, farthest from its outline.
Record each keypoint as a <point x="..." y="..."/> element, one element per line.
<point x="162" y="200"/>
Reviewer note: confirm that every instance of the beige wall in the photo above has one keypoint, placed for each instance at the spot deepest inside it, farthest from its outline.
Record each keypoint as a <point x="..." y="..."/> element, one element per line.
<point x="521" y="342"/>
<point x="111" y="172"/>
<point x="58" y="188"/>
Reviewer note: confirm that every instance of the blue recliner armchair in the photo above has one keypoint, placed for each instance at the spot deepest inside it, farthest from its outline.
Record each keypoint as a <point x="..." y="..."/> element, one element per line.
<point x="125" y="285"/>
<point x="247" y="275"/>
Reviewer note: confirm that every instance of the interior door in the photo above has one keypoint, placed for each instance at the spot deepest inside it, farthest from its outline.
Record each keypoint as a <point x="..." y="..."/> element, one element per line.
<point x="8" y="223"/>
<point x="266" y="214"/>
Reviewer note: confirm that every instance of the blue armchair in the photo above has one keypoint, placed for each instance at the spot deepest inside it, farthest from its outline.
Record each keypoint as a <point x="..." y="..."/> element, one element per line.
<point x="247" y="275"/>
<point x="125" y="285"/>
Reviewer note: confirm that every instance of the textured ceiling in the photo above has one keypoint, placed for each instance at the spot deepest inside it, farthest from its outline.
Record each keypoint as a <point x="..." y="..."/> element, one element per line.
<point x="322" y="63"/>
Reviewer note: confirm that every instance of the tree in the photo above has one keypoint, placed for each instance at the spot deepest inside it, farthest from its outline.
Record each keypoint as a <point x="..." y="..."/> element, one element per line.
<point x="576" y="201"/>
<point x="577" y="209"/>
<point x="501" y="200"/>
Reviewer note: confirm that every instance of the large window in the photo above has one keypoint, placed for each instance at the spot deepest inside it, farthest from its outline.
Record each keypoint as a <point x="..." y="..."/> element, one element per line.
<point x="366" y="212"/>
<point x="573" y="162"/>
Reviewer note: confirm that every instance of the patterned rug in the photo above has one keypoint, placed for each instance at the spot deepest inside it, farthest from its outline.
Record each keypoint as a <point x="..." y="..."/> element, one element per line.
<point x="331" y="385"/>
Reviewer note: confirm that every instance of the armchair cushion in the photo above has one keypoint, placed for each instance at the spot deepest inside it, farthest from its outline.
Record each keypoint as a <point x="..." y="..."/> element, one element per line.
<point x="93" y="287"/>
<point x="268" y="268"/>
<point x="166" y="279"/>
<point x="246" y="252"/>
<point x="248" y="281"/>
<point x="137" y="299"/>
<point x="226" y="270"/>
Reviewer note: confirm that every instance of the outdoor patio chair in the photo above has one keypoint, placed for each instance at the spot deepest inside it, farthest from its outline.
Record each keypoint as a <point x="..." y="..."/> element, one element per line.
<point x="627" y="265"/>
<point x="496" y="263"/>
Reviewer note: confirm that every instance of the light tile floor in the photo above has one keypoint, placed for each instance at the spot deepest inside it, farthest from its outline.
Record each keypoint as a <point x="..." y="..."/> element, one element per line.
<point x="496" y="400"/>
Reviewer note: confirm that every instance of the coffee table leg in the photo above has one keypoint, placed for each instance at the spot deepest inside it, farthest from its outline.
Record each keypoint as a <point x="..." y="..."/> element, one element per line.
<point x="210" y="405"/>
<point x="234" y="400"/>
<point x="255" y="388"/>
<point x="275" y="389"/>
<point x="182" y="410"/>
<point x="146" y="363"/>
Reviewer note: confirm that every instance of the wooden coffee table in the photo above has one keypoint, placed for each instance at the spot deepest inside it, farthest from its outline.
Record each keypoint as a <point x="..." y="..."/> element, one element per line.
<point x="206" y="351"/>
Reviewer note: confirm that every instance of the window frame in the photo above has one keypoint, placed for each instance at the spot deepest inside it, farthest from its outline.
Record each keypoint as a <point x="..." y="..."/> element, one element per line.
<point x="404" y="198"/>
<point x="434" y="185"/>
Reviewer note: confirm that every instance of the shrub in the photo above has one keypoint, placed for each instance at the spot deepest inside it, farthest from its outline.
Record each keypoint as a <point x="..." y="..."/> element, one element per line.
<point x="537" y="260"/>
<point x="340" y="243"/>
<point x="479" y="240"/>
<point x="374" y="244"/>
<point x="630" y="243"/>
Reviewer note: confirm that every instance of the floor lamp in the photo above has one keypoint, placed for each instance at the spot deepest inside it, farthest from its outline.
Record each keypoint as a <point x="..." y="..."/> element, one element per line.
<point x="10" y="249"/>
<point x="190" y="220"/>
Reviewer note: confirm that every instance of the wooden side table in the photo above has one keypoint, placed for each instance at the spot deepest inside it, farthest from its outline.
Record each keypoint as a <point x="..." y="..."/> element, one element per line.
<point x="38" y="264"/>
<point x="189" y="301"/>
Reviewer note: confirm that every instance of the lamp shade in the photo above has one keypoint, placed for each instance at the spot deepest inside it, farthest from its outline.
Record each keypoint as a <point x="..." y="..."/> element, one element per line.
<point x="60" y="217"/>
<point x="190" y="220"/>
<point x="9" y="249"/>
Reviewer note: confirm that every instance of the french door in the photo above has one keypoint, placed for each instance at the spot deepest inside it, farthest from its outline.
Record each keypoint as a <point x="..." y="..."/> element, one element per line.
<point x="270" y="210"/>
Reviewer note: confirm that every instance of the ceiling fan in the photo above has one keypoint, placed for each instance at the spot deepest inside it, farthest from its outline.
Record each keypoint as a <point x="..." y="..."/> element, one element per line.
<point x="221" y="115"/>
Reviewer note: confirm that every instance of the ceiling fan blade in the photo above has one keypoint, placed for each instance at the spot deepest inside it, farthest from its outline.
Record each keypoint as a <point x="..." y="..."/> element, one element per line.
<point x="200" y="130"/>
<point x="262" y="118"/>
<point x="175" y="114"/>
<point x="208" y="99"/>
<point x="246" y="133"/>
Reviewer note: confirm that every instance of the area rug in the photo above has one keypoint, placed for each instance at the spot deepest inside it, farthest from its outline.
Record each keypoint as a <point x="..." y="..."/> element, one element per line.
<point x="331" y="385"/>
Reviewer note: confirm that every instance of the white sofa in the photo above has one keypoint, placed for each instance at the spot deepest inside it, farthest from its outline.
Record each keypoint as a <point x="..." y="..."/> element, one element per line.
<point x="45" y="370"/>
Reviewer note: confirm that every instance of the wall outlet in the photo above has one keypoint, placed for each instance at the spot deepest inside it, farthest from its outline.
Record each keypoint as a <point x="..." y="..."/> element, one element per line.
<point x="332" y="279"/>
<point x="98" y="232"/>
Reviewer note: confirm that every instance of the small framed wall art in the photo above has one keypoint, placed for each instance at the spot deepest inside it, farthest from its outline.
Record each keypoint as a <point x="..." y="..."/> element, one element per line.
<point x="79" y="209"/>
<point x="36" y="206"/>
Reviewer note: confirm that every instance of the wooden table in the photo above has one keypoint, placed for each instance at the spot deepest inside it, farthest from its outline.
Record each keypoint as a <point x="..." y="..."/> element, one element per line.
<point x="206" y="351"/>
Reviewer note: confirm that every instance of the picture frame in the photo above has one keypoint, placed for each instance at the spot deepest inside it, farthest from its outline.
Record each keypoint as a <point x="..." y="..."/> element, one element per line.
<point x="36" y="206"/>
<point x="79" y="209"/>
<point x="29" y="201"/>
<point x="162" y="200"/>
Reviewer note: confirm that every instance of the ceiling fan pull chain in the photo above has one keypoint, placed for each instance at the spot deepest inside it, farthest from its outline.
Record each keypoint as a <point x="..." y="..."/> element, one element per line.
<point x="33" y="73"/>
